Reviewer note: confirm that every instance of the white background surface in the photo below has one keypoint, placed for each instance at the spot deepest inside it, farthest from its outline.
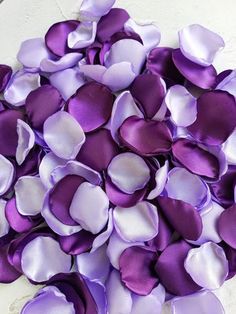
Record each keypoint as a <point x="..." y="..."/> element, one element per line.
<point x="24" y="19"/>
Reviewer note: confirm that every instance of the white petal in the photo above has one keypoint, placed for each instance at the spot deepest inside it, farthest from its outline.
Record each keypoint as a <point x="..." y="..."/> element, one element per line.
<point x="4" y="225"/>
<point x="26" y="140"/>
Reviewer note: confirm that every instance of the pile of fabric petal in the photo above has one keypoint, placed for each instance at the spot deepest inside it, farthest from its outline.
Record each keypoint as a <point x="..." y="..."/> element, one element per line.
<point x="118" y="168"/>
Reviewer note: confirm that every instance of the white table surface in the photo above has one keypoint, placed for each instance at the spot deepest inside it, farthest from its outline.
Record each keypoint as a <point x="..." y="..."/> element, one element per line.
<point x="24" y="19"/>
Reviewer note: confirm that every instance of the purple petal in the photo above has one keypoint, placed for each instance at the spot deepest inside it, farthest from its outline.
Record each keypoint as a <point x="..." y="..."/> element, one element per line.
<point x="6" y="175"/>
<point x="83" y="36"/>
<point x="105" y="235"/>
<point x="56" y="37"/>
<point x="21" y="84"/>
<point x="118" y="297"/>
<point x="111" y="23"/>
<point x="137" y="223"/>
<point x="91" y="100"/>
<point x="32" y="52"/>
<point x="199" y="44"/>
<point x="99" y="295"/>
<point x="135" y="131"/>
<point x="178" y="212"/>
<point x="200" y="76"/>
<point x="67" y="61"/>
<point x="197" y="303"/>
<point x="30" y="194"/>
<point x="72" y="77"/>
<point x="8" y="273"/>
<point x="228" y="84"/>
<point x="36" y="252"/>
<point x="26" y="141"/>
<point x="129" y="172"/>
<point x="41" y="104"/>
<point x="160" y="180"/>
<point x="196" y="159"/>
<point x="64" y="135"/>
<point x="93" y="9"/>
<point x="216" y="108"/>
<point x="171" y="265"/>
<point x="98" y="150"/>
<point x="4" y="225"/>
<point x="226" y="226"/>
<point x="123" y="108"/>
<point x="149" y="91"/>
<point x="137" y="271"/>
<point x="90" y="201"/>
<point x="5" y="75"/>
<point x="182" y="106"/>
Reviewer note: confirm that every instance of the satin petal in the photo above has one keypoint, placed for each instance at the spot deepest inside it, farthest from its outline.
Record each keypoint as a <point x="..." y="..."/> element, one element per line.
<point x="226" y="226"/>
<point x="229" y="148"/>
<point x="160" y="180"/>
<point x="26" y="141"/>
<point x="7" y="174"/>
<point x="67" y="61"/>
<point x="5" y="75"/>
<point x="105" y="235"/>
<point x="93" y="9"/>
<point x="83" y="36"/>
<point x="8" y="273"/>
<point x="228" y="84"/>
<point x="4" y="225"/>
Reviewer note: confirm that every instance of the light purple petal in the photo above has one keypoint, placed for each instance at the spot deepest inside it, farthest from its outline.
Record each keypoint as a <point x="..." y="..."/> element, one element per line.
<point x="120" y="52"/>
<point x="229" y="148"/>
<point x="26" y="140"/>
<point x="123" y="108"/>
<point x="149" y="33"/>
<point x="42" y="249"/>
<point x="137" y="223"/>
<point x="198" y="303"/>
<point x="150" y="303"/>
<point x="99" y="295"/>
<point x="129" y="172"/>
<point x="94" y="9"/>
<point x="83" y="36"/>
<point x="32" y="52"/>
<point x="49" y="300"/>
<point x="6" y="174"/>
<point x="4" y="225"/>
<point x="207" y="265"/>
<point x="30" y="193"/>
<point x="72" y="77"/>
<point x="67" y="61"/>
<point x="160" y="178"/>
<point x="118" y="296"/>
<point x="182" y="105"/>
<point x="104" y="236"/>
<point x="64" y="135"/>
<point x="20" y="86"/>
<point x="199" y="44"/>
<point x="93" y="71"/>
<point x="228" y="84"/>
<point x="94" y="266"/>
<point x="88" y="202"/>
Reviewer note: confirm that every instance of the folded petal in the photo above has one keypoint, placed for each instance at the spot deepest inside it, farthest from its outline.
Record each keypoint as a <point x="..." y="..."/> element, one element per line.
<point x="72" y="77"/>
<point x="105" y="235"/>
<point x="228" y="84"/>
<point x="5" y="75"/>
<point x="171" y="265"/>
<point x="26" y="141"/>
<point x="4" y="225"/>
<point x="7" y="174"/>
<point x="216" y="108"/>
<point x="207" y="265"/>
<point x="32" y="52"/>
<point x="56" y="37"/>
<point x="137" y="269"/>
<point x="178" y="212"/>
<point x="21" y="84"/>
<point x="36" y="252"/>
<point x="129" y="172"/>
<point x="200" y="44"/>
<point x="226" y="226"/>
<point x="67" y="61"/>
<point x="83" y="36"/>
<point x="203" y="77"/>
<point x="93" y="9"/>
<point x="77" y="243"/>
<point x="137" y="223"/>
<point x="90" y="201"/>
<point x="91" y="100"/>
<point x="160" y="180"/>
<point x="135" y="131"/>
<point x="64" y="135"/>
<point x="182" y="106"/>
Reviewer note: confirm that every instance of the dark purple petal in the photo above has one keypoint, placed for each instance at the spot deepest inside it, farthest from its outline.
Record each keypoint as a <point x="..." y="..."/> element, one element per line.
<point x="41" y="104"/>
<point x="226" y="226"/>
<point x="171" y="272"/>
<point x="216" y="118"/>
<point x="91" y="106"/>
<point x="111" y="23"/>
<point x="8" y="133"/>
<point x="196" y="159"/>
<point x="231" y="257"/>
<point x="178" y="213"/>
<point x="137" y="269"/>
<point x="119" y="198"/>
<point x="8" y="273"/>
<point x="137" y="135"/>
<point x="77" y="243"/>
<point x="56" y="37"/>
<point x="5" y="75"/>
<point x="98" y="150"/>
<point x="200" y="76"/>
<point x="149" y="92"/>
